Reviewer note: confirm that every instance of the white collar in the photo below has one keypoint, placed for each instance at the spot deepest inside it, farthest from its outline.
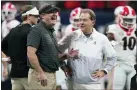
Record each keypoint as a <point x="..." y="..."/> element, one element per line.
<point x="93" y="35"/>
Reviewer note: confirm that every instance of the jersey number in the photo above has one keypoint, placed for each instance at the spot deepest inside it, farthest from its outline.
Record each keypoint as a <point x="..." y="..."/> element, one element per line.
<point x="130" y="43"/>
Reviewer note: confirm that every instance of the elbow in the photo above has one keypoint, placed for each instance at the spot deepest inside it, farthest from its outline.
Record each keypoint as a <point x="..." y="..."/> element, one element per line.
<point x="29" y="55"/>
<point x="31" y="52"/>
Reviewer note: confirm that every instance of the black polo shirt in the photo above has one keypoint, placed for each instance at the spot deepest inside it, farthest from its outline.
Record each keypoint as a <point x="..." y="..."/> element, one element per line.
<point x="14" y="45"/>
<point x="41" y="37"/>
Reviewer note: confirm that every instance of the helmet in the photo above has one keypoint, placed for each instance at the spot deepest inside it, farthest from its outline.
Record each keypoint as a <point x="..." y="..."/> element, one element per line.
<point x="8" y="11"/>
<point x="117" y="12"/>
<point x="127" y="17"/>
<point x="74" y="17"/>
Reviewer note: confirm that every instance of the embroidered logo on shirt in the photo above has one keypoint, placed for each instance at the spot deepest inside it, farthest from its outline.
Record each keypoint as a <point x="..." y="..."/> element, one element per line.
<point x="94" y="42"/>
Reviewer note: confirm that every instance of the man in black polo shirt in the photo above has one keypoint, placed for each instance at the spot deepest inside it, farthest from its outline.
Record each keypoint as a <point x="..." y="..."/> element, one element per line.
<point x="43" y="51"/>
<point x="14" y="46"/>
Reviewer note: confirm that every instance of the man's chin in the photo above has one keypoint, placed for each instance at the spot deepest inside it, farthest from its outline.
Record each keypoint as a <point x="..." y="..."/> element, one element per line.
<point x="82" y="29"/>
<point x="52" y="24"/>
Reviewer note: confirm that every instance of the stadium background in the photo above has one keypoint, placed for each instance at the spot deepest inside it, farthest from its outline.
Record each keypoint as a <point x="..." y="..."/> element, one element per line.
<point x="103" y="10"/>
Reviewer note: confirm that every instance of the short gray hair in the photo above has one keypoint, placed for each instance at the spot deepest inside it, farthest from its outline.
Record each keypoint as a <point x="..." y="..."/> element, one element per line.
<point x="90" y="12"/>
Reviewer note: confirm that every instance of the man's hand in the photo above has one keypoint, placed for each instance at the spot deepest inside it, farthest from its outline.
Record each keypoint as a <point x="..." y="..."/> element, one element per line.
<point x="42" y="78"/>
<point x="5" y="73"/>
<point x="98" y="74"/>
<point x="67" y="71"/>
<point x="73" y="53"/>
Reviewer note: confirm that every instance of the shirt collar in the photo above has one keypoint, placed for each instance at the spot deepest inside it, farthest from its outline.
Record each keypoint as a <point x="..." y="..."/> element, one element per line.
<point x="93" y="35"/>
<point x="26" y="24"/>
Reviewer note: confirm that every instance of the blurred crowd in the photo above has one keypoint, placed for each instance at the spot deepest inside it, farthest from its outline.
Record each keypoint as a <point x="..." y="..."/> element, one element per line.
<point x="103" y="9"/>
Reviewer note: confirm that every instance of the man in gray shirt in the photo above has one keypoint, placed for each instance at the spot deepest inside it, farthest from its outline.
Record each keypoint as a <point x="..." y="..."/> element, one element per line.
<point x="43" y="52"/>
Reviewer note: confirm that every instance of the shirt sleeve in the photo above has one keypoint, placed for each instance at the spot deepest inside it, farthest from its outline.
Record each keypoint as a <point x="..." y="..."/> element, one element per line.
<point x="110" y="55"/>
<point x="34" y="38"/>
<point x="65" y="42"/>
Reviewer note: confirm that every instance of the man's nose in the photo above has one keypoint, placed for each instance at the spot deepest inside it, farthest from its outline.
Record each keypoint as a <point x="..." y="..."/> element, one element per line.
<point x="81" y="22"/>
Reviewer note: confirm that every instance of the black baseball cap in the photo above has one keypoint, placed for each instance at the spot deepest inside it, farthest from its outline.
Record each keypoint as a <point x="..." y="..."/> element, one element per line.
<point x="48" y="8"/>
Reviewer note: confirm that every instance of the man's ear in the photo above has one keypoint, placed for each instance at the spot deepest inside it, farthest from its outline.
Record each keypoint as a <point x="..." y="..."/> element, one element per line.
<point x="41" y="15"/>
<point x="94" y="21"/>
<point x="28" y="17"/>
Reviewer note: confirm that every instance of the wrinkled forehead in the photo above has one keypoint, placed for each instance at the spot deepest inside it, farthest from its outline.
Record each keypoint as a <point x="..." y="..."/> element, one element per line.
<point x="84" y="16"/>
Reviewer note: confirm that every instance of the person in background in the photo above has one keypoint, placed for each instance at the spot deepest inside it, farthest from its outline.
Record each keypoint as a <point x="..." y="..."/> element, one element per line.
<point x="74" y="20"/>
<point x="14" y="46"/>
<point x="116" y="18"/>
<point x="123" y="38"/>
<point x="117" y="12"/>
<point x="87" y="65"/>
<point x="8" y="13"/>
<point x="58" y="28"/>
